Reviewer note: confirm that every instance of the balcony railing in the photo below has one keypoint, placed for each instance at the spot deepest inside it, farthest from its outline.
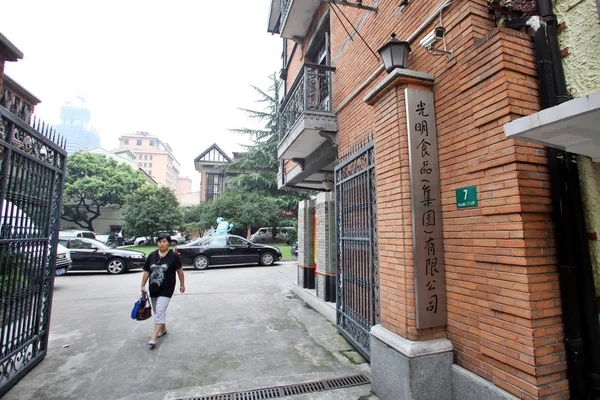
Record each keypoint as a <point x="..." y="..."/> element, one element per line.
<point x="285" y="8"/>
<point x="311" y="91"/>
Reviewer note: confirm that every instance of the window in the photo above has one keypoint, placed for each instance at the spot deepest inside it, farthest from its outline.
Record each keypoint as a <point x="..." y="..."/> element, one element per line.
<point x="237" y="241"/>
<point x="80" y="244"/>
<point x="218" y="241"/>
<point x="125" y="141"/>
<point x="138" y="142"/>
<point x="150" y="165"/>
<point x="150" y="172"/>
<point x="151" y="156"/>
<point x="318" y="52"/>
<point x="151" y="144"/>
<point x="214" y="186"/>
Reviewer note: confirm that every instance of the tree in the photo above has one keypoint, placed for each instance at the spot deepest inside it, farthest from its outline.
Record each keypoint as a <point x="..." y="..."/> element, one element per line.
<point x="93" y="181"/>
<point x="243" y="209"/>
<point x="150" y="210"/>
<point x="260" y="164"/>
<point x="192" y="218"/>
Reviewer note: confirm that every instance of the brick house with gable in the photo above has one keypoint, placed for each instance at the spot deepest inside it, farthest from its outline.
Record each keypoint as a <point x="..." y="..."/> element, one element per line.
<point x="469" y="304"/>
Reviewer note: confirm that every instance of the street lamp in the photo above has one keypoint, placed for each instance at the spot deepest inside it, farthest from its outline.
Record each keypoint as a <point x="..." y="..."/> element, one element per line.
<point x="394" y="54"/>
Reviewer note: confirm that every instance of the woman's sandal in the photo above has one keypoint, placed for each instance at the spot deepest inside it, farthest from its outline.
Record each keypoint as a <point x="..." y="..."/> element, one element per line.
<point x="163" y="333"/>
<point x="152" y="343"/>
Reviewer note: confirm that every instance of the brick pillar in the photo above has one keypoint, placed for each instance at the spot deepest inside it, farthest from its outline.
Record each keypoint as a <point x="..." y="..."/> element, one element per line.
<point x="325" y="252"/>
<point x="306" y="244"/>
<point x="406" y="362"/>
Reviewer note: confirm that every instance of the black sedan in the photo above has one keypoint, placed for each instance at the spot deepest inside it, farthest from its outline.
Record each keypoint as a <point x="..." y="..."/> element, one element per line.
<point x="226" y="250"/>
<point x="92" y="255"/>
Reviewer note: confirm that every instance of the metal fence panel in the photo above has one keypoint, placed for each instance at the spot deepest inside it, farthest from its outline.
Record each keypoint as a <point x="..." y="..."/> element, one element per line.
<point x="357" y="247"/>
<point x="32" y="162"/>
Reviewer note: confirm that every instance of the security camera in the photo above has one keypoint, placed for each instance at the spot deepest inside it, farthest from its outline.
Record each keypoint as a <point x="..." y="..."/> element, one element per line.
<point x="433" y="37"/>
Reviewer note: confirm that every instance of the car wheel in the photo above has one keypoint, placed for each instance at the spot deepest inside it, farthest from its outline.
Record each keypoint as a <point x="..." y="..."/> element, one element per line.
<point x="267" y="259"/>
<point x="116" y="266"/>
<point x="201" y="262"/>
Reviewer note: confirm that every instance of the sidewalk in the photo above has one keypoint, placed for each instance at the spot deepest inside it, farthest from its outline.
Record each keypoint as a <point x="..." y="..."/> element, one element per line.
<point x="234" y="329"/>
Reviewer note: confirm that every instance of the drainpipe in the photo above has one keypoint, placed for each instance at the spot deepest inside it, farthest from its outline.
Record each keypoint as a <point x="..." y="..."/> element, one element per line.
<point x="580" y="316"/>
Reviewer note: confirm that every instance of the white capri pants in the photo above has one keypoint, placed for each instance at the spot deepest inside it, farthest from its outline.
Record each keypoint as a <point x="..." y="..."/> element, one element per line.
<point x="160" y="305"/>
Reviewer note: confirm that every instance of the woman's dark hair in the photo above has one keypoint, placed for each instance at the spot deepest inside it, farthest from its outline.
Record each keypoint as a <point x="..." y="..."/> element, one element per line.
<point x="162" y="236"/>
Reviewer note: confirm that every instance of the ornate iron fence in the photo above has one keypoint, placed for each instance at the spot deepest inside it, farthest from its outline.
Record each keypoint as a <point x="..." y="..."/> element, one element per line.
<point x="32" y="162"/>
<point x="311" y="91"/>
<point x="357" y="247"/>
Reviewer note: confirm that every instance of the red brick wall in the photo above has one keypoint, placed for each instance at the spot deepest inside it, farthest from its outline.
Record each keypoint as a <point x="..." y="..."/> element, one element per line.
<point x="504" y="311"/>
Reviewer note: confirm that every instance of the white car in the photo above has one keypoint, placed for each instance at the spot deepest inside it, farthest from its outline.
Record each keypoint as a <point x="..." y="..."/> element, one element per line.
<point x="63" y="260"/>
<point x="176" y="238"/>
<point x="264" y="234"/>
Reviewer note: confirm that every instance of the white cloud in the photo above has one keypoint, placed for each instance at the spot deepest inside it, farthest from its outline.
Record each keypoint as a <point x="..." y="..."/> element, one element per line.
<point x="177" y="69"/>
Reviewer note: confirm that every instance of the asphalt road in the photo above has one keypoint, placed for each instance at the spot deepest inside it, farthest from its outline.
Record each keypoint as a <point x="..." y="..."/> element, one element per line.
<point x="235" y="328"/>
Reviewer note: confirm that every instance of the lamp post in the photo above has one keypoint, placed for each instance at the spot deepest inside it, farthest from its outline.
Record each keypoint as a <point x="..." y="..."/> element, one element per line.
<point x="394" y="54"/>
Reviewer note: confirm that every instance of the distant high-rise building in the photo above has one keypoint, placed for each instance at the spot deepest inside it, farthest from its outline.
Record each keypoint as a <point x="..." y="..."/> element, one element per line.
<point x="75" y="127"/>
<point x="154" y="156"/>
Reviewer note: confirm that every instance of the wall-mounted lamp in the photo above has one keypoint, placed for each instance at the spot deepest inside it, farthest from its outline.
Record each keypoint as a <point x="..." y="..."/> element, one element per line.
<point x="394" y="54"/>
<point x="328" y="182"/>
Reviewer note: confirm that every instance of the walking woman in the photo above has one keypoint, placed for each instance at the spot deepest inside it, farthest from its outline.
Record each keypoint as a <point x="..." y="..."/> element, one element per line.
<point x="160" y="268"/>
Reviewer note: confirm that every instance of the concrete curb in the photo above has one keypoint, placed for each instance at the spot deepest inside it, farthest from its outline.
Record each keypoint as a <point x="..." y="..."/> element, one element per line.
<point x="309" y="296"/>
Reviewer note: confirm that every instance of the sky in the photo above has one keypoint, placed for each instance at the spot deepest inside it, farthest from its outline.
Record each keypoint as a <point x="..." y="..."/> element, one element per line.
<point x="179" y="69"/>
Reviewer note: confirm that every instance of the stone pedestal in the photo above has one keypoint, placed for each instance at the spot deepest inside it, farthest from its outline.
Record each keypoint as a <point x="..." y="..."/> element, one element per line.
<point x="306" y="244"/>
<point x="403" y="369"/>
<point x="306" y="277"/>
<point x="325" y="249"/>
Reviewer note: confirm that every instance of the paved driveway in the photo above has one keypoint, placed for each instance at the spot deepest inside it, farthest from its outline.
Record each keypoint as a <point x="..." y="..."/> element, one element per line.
<point x="235" y="328"/>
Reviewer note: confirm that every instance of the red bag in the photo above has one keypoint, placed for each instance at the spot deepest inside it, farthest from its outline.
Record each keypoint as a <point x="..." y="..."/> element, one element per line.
<point x="145" y="310"/>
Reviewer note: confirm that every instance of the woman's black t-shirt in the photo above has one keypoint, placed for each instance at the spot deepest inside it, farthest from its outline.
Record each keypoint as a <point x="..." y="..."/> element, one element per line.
<point x="162" y="273"/>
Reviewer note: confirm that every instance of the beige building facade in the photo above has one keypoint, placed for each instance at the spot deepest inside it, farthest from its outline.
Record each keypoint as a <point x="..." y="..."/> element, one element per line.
<point x="154" y="156"/>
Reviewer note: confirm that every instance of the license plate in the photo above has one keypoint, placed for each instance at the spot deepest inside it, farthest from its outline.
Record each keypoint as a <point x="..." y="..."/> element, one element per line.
<point x="61" y="271"/>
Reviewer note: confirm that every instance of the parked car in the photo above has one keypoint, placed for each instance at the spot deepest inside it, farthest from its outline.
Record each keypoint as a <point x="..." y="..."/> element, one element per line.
<point x="72" y="233"/>
<point x="63" y="260"/>
<point x="176" y="238"/>
<point x="265" y="234"/>
<point x="92" y="255"/>
<point x="226" y="249"/>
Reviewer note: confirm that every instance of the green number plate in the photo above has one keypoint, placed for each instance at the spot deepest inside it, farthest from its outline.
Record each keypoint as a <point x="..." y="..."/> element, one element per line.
<point x="466" y="197"/>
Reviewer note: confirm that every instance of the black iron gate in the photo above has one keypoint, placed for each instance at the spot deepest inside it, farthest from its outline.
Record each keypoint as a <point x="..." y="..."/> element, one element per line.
<point x="357" y="247"/>
<point x="31" y="185"/>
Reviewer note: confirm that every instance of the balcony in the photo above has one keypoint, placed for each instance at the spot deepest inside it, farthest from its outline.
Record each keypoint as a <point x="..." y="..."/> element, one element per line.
<point x="307" y="126"/>
<point x="306" y="120"/>
<point x="292" y="18"/>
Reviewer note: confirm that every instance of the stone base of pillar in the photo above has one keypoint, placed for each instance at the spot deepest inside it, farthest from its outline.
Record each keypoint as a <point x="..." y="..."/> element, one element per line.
<point x="326" y="287"/>
<point x="404" y="369"/>
<point x="306" y="277"/>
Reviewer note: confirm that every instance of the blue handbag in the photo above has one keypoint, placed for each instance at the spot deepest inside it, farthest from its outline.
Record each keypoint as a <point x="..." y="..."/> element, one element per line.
<point x="139" y="305"/>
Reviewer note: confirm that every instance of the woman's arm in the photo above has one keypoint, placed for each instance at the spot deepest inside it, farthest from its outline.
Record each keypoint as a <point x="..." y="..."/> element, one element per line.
<point x="181" y="280"/>
<point x="144" y="280"/>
